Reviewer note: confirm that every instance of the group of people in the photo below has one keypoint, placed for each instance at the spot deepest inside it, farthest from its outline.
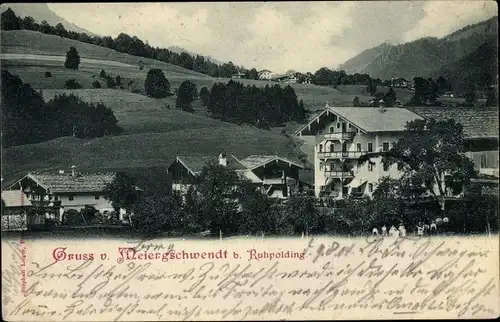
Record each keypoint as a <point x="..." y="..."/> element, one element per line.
<point x="393" y="232"/>
<point x="420" y="230"/>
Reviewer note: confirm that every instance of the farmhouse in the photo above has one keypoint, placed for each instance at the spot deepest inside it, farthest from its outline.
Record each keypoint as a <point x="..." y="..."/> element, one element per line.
<point x="276" y="176"/>
<point x="63" y="190"/>
<point x="341" y="135"/>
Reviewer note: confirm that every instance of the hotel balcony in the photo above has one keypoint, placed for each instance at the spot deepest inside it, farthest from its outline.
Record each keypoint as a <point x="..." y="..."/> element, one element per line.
<point x="339" y="174"/>
<point x="341" y="154"/>
<point x="337" y="136"/>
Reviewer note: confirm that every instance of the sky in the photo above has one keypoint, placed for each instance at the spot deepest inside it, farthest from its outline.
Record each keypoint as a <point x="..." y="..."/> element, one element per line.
<point x="278" y="36"/>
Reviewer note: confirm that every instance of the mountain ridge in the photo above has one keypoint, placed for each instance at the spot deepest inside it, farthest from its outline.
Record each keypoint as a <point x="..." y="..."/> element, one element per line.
<point x="40" y="12"/>
<point x="422" y="57"/>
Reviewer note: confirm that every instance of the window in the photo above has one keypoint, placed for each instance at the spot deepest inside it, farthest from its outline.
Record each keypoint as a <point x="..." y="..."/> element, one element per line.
<point x="56" y="198"/>
<point x="483" y="160"/>
<point x="71" y="197"/>
<point x="331" y="129"/>
<point x="321" y="165"/>
<point x="385" y="146"/>
<point x="370" y="187"/>
<point x="332" y="147"/>
<point x="370" y="147"/>
<point x="370" y="166"/>
<point x="349" y="125"/>
<point x="386" y="167"/>
<point x="358" y="147"/>
<point x="338" y="125"/>
<point x="321" y="148"/>
<point x="96" y="197"/>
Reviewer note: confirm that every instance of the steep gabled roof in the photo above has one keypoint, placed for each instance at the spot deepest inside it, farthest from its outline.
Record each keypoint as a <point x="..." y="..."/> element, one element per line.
<point x="369" y="119"/>
<point x="256" y="161"/>
<point x="65" y="183"/>
<point x="195" y="164"/>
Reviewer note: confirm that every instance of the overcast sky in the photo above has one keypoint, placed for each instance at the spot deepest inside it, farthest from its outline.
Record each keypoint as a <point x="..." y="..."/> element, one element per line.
<point x="303" y="36"/>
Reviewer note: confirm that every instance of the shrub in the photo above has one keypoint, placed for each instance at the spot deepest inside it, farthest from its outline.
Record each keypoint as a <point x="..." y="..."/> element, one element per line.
<point x="72" y="84"/>
<point x="96" y="84"/>
<point x="48" y="74"/>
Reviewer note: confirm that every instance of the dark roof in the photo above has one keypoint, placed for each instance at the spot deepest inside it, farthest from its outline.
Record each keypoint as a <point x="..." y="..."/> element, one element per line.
<point x="477" y="122"/>
<point x="82" y="182"/>
<point x="196" y="163"/>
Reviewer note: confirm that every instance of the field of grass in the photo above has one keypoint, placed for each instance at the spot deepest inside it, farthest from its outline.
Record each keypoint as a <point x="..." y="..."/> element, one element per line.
<point x="404" y="95"/>
<point x="141" y="114"/>
<point x="142" y="150"/>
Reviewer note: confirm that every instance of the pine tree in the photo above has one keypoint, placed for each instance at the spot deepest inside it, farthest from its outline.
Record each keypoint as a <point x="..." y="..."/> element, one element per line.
<point x="72" y="59"/>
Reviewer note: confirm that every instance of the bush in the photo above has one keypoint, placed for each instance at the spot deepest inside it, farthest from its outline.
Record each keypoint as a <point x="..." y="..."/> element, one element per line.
<point x="96" y="84"/>
<point x="103" y="74"/>
<point x="48" y="74"/>
<point x="73" y="84"/>
<point x="72" y="218"/>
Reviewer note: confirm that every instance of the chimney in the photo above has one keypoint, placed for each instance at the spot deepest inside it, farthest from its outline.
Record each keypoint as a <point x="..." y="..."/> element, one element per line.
<point x="223" y="160"/>
<point x="73" y="170"/>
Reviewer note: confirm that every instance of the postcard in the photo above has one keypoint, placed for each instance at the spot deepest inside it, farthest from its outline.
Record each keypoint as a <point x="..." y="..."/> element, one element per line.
<point x="250" y="161"/>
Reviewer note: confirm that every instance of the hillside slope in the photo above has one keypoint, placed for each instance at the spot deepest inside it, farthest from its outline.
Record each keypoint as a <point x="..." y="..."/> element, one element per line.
<point x="40" y="12"/>
<point x="424" y="56"/>
<point x="480" y="67"/>
<point x="36" y="43"/>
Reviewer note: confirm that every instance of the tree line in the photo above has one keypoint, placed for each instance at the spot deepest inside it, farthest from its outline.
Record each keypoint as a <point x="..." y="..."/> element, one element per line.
<point x="130" y="45"/>
<point x="325" y="76"/>
<point x="27" y="118"/>
<point x="264" y="107"/>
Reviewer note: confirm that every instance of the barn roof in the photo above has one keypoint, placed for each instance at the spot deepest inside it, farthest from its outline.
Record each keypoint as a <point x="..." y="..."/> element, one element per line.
<point x="477" y="122"/>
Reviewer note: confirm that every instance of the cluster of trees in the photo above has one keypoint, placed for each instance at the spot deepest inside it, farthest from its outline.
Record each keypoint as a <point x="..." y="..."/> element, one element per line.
<point x="325" y="76"/>
<point x="428" y="90"/>
<point x="26" y="118"/>
<point x="111" y="82"/>
<point x="268" y="106"/>
<point x="220" y="202"/>
<point x="130" y="45"/>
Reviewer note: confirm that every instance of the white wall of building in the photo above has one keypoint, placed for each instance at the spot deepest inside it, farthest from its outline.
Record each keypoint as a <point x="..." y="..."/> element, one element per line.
<point x="81" y="200"/>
